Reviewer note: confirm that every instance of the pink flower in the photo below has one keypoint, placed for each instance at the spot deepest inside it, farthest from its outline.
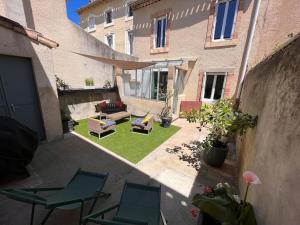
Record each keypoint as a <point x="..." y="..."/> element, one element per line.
<point x="251" y="178"/>
<point x="207" y="190"/>
<point x="194" y="212"/>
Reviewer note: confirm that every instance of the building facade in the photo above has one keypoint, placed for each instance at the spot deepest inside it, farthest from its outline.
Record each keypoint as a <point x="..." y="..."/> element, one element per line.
<point x="197" y="46"/>
<point x="109" y="21"/>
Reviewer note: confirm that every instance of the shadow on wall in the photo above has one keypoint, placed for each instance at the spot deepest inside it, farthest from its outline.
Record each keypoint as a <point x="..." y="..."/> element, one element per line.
<point x="183" y="14"/>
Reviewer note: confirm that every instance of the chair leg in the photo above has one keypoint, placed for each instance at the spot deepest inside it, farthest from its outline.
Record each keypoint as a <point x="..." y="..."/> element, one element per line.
<point x="96" y="199"/>
<point x="47" y="216"/>
<point x="81" y="211"/>
<point x="32" y="214"/>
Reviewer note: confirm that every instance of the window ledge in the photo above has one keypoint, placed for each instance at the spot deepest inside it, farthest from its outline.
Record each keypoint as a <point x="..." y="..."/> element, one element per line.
<point x="159" y="50"/>
<point x="128" y="18"/>
<point x="91" y="30"/>
<point x="108" y="24"/>
<point x="218" y="44"/>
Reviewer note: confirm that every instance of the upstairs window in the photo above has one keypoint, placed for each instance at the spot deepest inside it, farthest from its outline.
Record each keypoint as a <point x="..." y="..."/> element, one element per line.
<point x="91" y="23"/>
<point x="160" y="32"/>
<point x="213" y="88"/>
<point x="129" y="42"/>
<point x="108" y="16"/>
<point x="129" y="11"/>
<point x="225" y="15"/>
<point x="109" y="39"/>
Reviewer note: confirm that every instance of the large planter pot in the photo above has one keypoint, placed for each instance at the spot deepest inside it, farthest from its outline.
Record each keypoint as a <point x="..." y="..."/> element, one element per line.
<point x="216" y="155"/>
<point x="205" y="219"/>
<point x="166" y="122"/>
<point x="68" y="125"/>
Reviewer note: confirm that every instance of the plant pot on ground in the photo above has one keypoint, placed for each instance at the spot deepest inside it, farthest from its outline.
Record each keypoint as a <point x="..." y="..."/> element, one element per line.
<point x="67" y="121"/>
<point x="222" y="122"/>
<point x="166" y="122"/>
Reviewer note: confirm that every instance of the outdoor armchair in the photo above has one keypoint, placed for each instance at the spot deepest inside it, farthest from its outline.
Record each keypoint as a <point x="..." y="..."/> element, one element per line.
<point x="139" y="127"/>
<point x="139" y="205"/>
<point x="94" y="126"/>
<point x="84" y="186"/>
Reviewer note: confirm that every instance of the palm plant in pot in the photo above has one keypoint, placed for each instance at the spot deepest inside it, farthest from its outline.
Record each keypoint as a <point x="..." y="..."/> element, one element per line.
<point x="222" y="122"/>
<point x="166" y="112"/>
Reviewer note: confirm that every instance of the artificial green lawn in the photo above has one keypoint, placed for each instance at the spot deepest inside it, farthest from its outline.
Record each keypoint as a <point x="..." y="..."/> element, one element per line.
<point x="131" y="146"/>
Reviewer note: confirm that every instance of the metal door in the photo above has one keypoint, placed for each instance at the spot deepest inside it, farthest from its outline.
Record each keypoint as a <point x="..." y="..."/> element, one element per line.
<point x="18" y="92"/>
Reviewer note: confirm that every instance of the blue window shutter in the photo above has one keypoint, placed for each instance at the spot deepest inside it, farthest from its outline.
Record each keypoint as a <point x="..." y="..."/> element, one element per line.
<point x="158" y="33"/>
<point x="164" y="32"/>
<point x="230" y="18"/>
<point x="219" y="20"/>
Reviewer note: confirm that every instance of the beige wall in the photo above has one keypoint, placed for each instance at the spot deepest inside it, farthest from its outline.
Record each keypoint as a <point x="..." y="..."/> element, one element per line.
<point x="189" y="26"/>
<point x="277" y="19"/>
<point x="49" y="18"/>
<point x="18" y="45"/>
<point x="121" y="23"/>
<point x="272" y="92"/>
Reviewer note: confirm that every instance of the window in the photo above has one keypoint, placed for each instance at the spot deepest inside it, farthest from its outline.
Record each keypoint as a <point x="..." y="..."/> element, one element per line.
<point x="213" y="88"/>
<point x="91" y="23"/>
<point x="109" y="40"/>
<point x="108" y="17"/>
<point x="160" y="32"/>
<point x="128" y="11"/>
<point x="225" y="15"/>
<point x="146" y="83"/>
<point x="129" y="42"/>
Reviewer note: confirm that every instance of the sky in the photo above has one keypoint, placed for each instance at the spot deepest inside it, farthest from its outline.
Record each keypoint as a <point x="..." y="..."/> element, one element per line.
<point x="72" y="6"/>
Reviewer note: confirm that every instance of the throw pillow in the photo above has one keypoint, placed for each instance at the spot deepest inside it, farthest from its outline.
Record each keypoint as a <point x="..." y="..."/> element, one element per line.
<point x="102" y="122"/>
<point x="103" y="105"/>
<point x="146" y="119"/>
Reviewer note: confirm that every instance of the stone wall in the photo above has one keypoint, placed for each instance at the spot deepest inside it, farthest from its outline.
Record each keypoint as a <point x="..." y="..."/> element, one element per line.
<point x="272" y="92"/>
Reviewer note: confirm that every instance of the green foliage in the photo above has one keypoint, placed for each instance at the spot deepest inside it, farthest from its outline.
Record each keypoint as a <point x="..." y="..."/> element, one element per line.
<point x="224" y="206"/>
<point x="221" y="120"/>
<point x="89" y="82"/>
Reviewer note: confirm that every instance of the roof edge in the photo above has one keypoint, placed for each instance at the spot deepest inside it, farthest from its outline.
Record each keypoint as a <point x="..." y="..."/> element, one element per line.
<point x="142" y="3"/>
<point x="31" y="34"/>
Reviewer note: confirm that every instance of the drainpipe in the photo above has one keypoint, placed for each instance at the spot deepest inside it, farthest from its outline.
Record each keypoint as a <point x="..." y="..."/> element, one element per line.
<point x="248" y="46"/>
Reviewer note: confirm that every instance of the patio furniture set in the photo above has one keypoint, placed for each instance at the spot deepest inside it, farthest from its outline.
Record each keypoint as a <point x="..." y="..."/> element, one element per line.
<point x="110" y="113"/>
<point x="139" y="204"/>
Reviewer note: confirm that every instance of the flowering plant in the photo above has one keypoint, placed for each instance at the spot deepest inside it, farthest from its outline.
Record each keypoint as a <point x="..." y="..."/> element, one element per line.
<point x="223" y="205"/>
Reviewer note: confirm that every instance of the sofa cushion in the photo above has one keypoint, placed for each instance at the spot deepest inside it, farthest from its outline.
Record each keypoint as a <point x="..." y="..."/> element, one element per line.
<point x="119" y="104"/>
<point x="138" y="122"/>
<point x="108" y="123"/>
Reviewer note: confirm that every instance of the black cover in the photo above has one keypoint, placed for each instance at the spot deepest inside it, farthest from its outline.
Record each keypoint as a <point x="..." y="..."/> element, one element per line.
<point x="18" y="144"/>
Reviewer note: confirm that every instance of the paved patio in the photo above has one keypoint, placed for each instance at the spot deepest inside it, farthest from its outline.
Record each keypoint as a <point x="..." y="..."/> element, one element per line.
<point x="55" y="162"/>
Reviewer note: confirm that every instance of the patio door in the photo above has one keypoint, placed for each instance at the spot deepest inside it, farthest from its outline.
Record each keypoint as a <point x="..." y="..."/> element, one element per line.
<point x="18" y="96"/>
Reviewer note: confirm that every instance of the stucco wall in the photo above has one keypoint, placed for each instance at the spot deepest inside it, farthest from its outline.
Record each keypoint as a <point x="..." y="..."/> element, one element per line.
<point x="15" y="44"/>
<point x="189" y="26"/>
<point x="271" y="150"/>
<point x="277" y="19"/>
<point x="121" y="23"/>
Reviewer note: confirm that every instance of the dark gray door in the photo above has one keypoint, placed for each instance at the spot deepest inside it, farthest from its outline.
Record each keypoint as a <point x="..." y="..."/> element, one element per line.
<point x="18" y="95"/>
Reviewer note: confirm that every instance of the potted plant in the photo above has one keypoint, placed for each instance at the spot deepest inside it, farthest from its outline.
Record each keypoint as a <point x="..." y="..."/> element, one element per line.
<point x="60" y="84"/>
<point x="166" y="112"/>
<point x="89" y="83"/>
<point x="222" y="122"/>
<point x="221" y="205"/>
<point x="67" y="121"/>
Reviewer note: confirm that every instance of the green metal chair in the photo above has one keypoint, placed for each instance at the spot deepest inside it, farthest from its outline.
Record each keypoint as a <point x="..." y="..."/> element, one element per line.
<point x="139" y="205"/>
<point x="84" y="186"/>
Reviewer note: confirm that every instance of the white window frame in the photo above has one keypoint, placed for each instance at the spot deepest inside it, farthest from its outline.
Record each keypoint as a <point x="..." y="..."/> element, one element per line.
<point x="215" y="74"/>
<point x="88" y="21"/>
<point x="155" y="31"/>
<point x="127" y="18"/>
<point x="224" y="20"/>
<point x="127" y="46"/>
<point x="112" y="18"/>
<point x="113" y="38"/>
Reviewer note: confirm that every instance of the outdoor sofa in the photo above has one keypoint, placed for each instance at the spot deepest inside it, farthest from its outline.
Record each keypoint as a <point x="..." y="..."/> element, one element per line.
<point x="108" y="108"/>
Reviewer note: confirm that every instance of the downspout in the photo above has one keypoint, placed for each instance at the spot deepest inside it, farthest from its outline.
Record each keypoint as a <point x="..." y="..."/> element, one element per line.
<point x="248" y="46"/>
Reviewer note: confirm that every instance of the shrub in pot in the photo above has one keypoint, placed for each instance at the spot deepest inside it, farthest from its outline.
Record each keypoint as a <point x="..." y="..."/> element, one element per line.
<point x="67" y="121"/>
<point x="166" y="112"/>
<point x="222" y="122"/>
